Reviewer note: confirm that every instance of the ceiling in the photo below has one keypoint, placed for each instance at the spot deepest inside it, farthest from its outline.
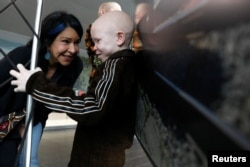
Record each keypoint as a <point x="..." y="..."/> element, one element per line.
<point x="85" y="10"/>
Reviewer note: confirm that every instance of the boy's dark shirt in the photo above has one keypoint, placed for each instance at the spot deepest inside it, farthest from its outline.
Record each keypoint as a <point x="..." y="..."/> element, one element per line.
<point x="105" y="114"/>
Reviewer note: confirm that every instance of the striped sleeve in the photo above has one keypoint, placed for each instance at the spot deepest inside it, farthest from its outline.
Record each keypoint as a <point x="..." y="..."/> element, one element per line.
<point x="63" y="99"/>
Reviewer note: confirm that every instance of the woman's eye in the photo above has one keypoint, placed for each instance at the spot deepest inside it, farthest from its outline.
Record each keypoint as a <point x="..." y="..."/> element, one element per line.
<point x="77" y="42"/>
<point x="66" y="41"/>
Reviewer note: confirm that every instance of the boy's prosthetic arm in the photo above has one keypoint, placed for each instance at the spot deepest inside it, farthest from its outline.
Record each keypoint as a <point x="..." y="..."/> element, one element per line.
<point x="22" y="76"/>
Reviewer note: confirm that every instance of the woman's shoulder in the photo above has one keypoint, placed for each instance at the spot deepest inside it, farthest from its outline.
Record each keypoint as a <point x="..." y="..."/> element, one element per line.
<point x="23" y="48"/>
<point x="21" y="53"/>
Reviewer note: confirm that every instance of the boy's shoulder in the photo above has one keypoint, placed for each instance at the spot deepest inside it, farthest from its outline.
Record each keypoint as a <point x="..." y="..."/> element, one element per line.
<point x="122" y="54"/>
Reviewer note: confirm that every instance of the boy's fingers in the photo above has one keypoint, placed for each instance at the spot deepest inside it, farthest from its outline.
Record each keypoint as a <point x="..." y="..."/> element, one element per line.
<point x="14" y="73"/>
<point x="13" y="82"/>
<point x="21" y="68"/>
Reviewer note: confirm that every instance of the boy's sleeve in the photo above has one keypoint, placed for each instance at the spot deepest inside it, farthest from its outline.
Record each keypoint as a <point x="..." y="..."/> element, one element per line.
<point x="63" y="99"/>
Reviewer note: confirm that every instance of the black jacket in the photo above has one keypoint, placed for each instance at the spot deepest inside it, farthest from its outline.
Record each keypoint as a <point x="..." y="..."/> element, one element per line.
<point x="105" y="114"/>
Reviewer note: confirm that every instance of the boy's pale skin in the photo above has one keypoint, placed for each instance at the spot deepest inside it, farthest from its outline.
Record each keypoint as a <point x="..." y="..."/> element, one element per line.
<point x="110" y="38"/>
<point x="111" y="32"/>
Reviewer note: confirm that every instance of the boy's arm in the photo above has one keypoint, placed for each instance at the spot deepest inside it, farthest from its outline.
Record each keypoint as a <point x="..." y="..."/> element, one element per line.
<point x="63" y="99"/>
<point x="54" y="97"/>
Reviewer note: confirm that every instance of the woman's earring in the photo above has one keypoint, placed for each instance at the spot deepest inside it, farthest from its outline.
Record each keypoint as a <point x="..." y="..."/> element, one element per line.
<point x="47" y="56"/>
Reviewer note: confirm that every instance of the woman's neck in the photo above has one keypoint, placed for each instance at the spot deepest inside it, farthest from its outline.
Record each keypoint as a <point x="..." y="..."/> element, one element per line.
<point x="51" y="71"/>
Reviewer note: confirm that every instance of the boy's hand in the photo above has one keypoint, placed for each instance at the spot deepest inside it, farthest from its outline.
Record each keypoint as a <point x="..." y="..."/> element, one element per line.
<point x="22" y="77"/>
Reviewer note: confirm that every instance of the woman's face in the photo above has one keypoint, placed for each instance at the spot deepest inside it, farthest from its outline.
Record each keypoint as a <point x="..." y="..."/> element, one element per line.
<point x="65" y="47"/>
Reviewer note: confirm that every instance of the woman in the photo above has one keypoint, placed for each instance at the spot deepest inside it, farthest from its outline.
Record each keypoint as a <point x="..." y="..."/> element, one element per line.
<point x="60" y="36"/>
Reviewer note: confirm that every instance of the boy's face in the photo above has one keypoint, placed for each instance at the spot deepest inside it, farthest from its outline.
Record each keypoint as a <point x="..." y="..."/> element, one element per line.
<point x="105" y="39"/>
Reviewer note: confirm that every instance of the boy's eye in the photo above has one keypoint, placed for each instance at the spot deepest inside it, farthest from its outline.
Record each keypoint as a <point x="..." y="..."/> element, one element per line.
<point x="97" y="40"/>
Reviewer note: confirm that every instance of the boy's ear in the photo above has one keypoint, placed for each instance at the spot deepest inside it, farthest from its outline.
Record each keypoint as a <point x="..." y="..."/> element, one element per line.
<point x="120" y="38"/>
<point x="101" y="12"/>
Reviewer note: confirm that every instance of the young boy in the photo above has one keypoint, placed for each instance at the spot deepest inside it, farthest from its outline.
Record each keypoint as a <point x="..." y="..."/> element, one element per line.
<point x="106" y="113"/>
<point x="105" y="7"/>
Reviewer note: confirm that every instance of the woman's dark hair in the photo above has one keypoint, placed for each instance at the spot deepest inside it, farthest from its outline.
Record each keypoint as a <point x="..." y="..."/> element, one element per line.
<point x="54" y="24"/>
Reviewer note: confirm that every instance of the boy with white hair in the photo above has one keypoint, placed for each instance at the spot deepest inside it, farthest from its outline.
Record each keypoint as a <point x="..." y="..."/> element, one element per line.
<point x="103" y="8"/>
